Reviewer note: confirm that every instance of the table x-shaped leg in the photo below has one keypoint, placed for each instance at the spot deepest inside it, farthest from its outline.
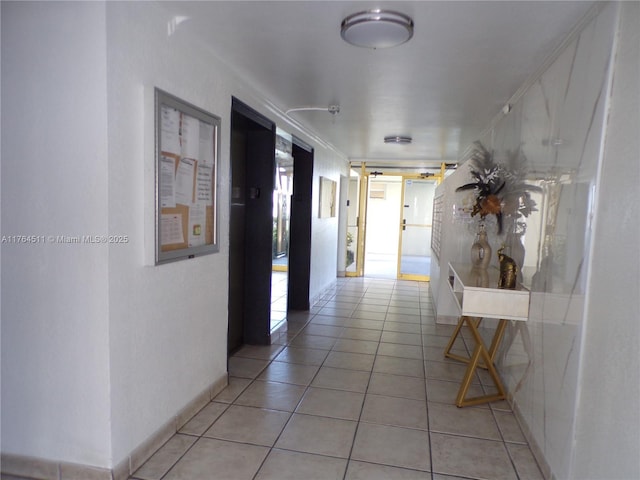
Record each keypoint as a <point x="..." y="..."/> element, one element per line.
<point x="454" y="336"/>
<point x="492" y="349"/>
<point x="480" y="352"/>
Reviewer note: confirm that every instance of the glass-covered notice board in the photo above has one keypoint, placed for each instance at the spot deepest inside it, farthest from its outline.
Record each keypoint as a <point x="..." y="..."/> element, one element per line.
<point x="187" y="151"/>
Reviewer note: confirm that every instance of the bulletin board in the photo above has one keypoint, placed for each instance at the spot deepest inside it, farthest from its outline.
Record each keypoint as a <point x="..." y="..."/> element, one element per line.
<point x="187" y="152"/>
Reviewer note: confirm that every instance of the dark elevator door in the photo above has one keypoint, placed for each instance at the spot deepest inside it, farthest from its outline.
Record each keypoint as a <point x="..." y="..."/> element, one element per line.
<point x="250" y="227"/>
<point x="300" y="236"/>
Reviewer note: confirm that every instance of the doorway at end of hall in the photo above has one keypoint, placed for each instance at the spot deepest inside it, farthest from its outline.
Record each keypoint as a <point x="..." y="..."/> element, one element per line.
<point x="389" y="225"/>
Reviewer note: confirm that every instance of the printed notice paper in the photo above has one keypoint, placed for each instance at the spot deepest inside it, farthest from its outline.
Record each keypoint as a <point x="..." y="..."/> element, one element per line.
<point x="170" y="130"/>
<point x="171" y="229"/>
<point x="190" y="137"/>
<point x="184" y="181"/>
<point x="204" y="178"/>
<point x="167" y="181"/>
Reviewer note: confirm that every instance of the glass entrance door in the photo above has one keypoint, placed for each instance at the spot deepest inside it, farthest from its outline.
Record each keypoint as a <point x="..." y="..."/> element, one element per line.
<point x="414" y="256"/>
<point x="356" y="223"/>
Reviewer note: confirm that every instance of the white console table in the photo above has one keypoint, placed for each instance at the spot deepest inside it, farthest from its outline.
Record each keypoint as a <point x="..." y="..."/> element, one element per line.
<point x="477" y="296"/>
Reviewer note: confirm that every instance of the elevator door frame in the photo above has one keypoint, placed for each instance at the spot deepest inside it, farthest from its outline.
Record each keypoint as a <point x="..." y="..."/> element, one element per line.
<point x="299" y="269"/>
<point x="250" y="243"/>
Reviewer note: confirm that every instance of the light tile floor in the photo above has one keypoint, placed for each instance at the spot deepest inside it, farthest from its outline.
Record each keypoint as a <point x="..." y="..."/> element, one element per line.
<point x="356" y="389"/>
<point x="279" y="287"/>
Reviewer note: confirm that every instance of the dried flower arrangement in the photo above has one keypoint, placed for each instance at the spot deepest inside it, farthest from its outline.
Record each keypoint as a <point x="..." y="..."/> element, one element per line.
<point x="487" y="185"/>
<point x="499" y="190"/>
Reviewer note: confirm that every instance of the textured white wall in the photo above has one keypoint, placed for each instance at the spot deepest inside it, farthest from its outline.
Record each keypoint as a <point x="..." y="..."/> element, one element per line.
<point x="168" y="323"/>
<point x="172" y="319"/>
<point x="455" y="245"/>
<point x="324" y="241"/>
<point x="99" y="347"/>
<point x="55" y="304"/>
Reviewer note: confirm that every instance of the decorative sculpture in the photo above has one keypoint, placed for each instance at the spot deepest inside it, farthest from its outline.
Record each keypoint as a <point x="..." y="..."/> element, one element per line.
<point x="508" y="271"/>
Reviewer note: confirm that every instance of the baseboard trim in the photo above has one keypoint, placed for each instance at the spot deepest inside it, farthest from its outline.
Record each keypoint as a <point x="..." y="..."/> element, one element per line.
<point x="18" y="467"/>
<point x="533" y="444"/>
<point x="325" y="291"/>
<point x="447" y="320"/>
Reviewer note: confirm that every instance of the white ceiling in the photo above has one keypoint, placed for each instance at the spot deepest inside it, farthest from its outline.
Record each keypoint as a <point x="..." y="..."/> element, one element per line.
<point x="443" y="87"/>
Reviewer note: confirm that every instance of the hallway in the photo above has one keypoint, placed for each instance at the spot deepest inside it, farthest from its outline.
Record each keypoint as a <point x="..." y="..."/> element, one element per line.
<point x="355" y="389"/>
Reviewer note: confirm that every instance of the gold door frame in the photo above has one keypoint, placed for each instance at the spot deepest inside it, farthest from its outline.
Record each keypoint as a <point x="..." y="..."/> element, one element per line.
<point x="363" y="187"/>
<point x="438" y="178"/>
<point x="362" y="215"/>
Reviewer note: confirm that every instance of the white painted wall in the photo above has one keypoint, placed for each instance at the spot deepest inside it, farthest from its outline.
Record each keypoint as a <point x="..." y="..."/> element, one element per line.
<point x="170" y="320"/>
<point x="99" y="347"/>
<point x="573" y="368"/>
<point x="455" y="245"/>
<point x="324" y="241"/>
<point x="55" y="297"/>
<point x="607" y="416"/>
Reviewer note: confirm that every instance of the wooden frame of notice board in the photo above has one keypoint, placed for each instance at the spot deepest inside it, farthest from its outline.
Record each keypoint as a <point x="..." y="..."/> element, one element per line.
<point x="187" y="153"/>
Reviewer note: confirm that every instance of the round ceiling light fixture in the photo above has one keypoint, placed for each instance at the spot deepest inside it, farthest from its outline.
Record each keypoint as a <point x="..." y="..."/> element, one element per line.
<point x="397" y="139"/>
<point x="377" y="29"/>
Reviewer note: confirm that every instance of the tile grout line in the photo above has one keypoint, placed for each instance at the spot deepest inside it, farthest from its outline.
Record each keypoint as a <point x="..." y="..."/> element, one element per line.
<point x="287" y="343"/>
<point x="271" y="360"/>
<point x="229" y="405"/>
<point x="198" y="438"/>
<point x="307" y="387"/>
<point x="364" y="399"/>
<point x="426" y="390"/>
